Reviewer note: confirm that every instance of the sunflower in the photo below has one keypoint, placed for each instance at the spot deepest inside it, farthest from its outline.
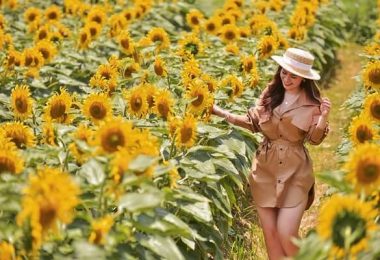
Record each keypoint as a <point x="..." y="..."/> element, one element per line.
<point x="49" y="134"/>
<point x="94" y="29"/>
<point x="32" y="58"/>
<point x="7" y="251"/>
<point x="130" y="68"/>
<point x="371" y="75"/>
<point x="100" y="229"/>
<point x="211" y="83"/>
<point x="150" y="91"/>
<point x="144" y="143"/>
<point x="232" y="48"/>
<point x="83" y="134"/>
<point x="347" y="222"/>
<point x="282" y="42"/>
<point x="128" y="14"/>
<point x="227" y="19"/>
<point x="233" y="85"/>
<point x="191" y="70"/>
<point x="21" y="135"/>
<point x="363" y="167"/>
<point x="10" y="160"/>
<point x="160" y="37"/>
<point x="372" y="106"/>
<point x="32" y="15"/>
<point x="126" y="43"/>
<point x="199" y="97"/>
<point x="163" y="103"/>
<point x="105" y="78"/>
<point x="229" y="33"/>
<point x="373" y="49"/>
<point x="245" y="32"/>
<point x="14" y="58"/>
<point x="117" y="23"/>
<point x="137" y="101"/>
<point x="267" y="46"/>
<point x="43" y="33"/>
<point x="190" y="44"/>
<point x="297" y="33"/>
<point x="254" y="78"/>
<point x="97" y="107"/>
<point x="53" y="13"/>
<point x="120" y="164"/>
<point x="84" y="38"/>
<point x="97" y="15"/>
<point x="248" y="63"/>
<point x="361" y="130"/>
<point x="194" y="18"/>
<point x="212" y="25"/>
<point x="173" y="123"/>
<point x="21" y="102"/>
<point x="113" y="135"/>
<point x="49" y="199"/>
<point x="159" y="67"/>
<point x="47" y="49"/>
<point x="186" y="132"/>
<point x="58" y="108"/>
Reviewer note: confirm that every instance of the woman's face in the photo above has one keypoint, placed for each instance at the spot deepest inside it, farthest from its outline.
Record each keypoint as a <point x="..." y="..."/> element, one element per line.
<point x="289" y="80"/>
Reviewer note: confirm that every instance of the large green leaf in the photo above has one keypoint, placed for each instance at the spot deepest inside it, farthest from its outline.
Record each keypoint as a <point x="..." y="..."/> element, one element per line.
<point x="162" y="246"/>
<point x="141" y="201"/>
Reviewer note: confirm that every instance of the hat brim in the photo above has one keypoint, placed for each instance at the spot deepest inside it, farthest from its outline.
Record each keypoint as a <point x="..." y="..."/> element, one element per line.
<point x="311" y="74"/>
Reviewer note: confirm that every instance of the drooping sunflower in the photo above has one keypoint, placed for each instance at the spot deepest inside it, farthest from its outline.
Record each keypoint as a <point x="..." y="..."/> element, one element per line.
<point x="267" y="46"/>
<point x="194" y="18"/>
<point x="191" y="70"/>
<point x="372" y="106"/>
<point x="114" y="135"/>
<point x="199" y="97"/>
<point x="126" y="43"/>
<point x="97" y="107"/>
<point x="363" y="167"/>
<point x="21" y="135"/>
<point x="49" y="134"/>
<point x="105" y="78"/>
<point x="232" y="48"/>
<point x="159" y="67"/>
<point x="361" y="130"/>
<point x="21" y="102"/>
<point x="186" y="132"/>
<point x="99" y="230"/>
<point x="173" y="123"/>
<point x="163" y="103"/>
<point x="53" y="13"/>
<point x="58" y="108"/>
<point x="128" y="69"/>
<point x="297" y="33"/>
<point x="117" y="24"/>
<point x="211" y="83"/>
<point x="371" y="75"/>
<point x="150" y="91"/>
<point x="84" y="38"/>
<point x="248" y="63"/>
<point x="137" y="101"/>
<point x="49" y="199"/>
<point x="229" y="33"/>
<point x="346" y="221"/>
<point x="47" y="49"/>
<point x="254" y="78"/>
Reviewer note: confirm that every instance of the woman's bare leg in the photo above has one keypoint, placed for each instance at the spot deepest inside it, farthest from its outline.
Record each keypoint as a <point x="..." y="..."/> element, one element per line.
<point x="288" y="223"/>
<point x="268" y="221"/>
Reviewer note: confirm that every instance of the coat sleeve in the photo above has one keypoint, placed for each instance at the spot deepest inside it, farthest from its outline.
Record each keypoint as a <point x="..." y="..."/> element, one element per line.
<point x="249" y="121"/>
<point x="316" y="135"/>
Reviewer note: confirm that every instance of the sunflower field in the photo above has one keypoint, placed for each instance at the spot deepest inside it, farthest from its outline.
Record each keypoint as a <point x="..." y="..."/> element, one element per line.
<point x="108" y="149"/>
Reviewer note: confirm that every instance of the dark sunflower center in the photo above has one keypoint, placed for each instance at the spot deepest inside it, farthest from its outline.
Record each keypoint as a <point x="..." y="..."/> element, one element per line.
<point x="136" y="104"/>
<point x="158" y="69"/>
<point x="106" y="75"/>
<point x="194" y="20"/>
<point x="42" y="35"/>
<point x="226" y="21"/>
<point x="19" y="140"/>
<point x="210" y="87"/>
<point x="236" y="89"/>
<point x="150" y="100"/>
<point x="198" y="101"/>
<point x="45" y="53"/>
<point x="230" y="35"/>
<point x="47" y="216"/>
<point x="157" y="38"/>
<point x="348" y="221"/>
<point x="128" y="71"/>
<point x="97" y="19"/>
<point x="248" y="66"/>
<point x="363" y="133"/>
<point x="97" y="110"/>
<point x="7" y="165"/>
<point x="267" y="49"/>
<point x="211" y="27"/>
<point x="52" y="16"/>
<point x="375" y="110"/>
<point x="21" y="105"/>
<point x="374" y="76"/>
<point x="163" y="109"/>
<point x="125" y="43"/>
<point x="368" y="173"/>
<point x="186" y="134"/>
<point x="32" y="17"/>
<point x="58" y="109"/>
<point x="128" y="16"/>
<point x="28" y="60"/>
<point x="192" y="48"/>
<point x="83" y="37"/>
<point x="113" y="140"/>
<point x="93" y="31"/>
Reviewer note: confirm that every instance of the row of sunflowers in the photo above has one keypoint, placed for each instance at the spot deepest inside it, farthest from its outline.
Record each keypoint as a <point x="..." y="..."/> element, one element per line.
<point x="107" y="146"/>
<point x="349" y="220"/>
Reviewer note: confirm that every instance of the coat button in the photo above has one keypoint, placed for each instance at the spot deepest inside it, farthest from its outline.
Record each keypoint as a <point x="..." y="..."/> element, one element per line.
<point x="280" y="162"/>
<point x="280" y="135"/>
<point x="279" y="181"/>
<point x="280" y="119"/>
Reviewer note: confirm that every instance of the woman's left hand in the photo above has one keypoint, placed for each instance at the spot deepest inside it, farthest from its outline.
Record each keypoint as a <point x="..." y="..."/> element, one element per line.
<point x="325" y="107"/>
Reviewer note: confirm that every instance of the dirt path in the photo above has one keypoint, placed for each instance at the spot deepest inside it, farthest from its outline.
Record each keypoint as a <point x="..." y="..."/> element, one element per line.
<point x="324" y="157"/>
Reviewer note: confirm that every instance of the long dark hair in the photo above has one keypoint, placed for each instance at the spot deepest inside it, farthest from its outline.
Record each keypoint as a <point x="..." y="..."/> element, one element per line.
<point x="273" y="95"/>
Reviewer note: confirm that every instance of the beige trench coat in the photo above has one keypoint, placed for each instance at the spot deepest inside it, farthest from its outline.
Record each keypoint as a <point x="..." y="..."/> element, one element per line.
<point x="282" y="171"/>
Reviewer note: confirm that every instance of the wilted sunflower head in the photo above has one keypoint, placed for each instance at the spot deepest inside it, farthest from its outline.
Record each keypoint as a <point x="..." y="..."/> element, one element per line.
<point x="371" y="75"/>
<point x="347" y="222"/>
<point x="363" y="167"/>
<point x="372" y="106"/>
<point x="21" y="102"/>
<point x="97" y="107"/>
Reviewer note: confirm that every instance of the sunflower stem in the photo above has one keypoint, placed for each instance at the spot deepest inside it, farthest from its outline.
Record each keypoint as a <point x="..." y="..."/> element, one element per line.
<point x="100" y="202"/>
<point x="172" y="146"/>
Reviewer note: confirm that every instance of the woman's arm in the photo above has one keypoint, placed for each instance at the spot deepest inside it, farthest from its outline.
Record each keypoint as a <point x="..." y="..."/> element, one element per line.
<point x="239" y="120"/>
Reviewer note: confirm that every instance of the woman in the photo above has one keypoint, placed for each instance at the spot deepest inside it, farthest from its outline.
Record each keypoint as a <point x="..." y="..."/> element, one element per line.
<point x="289" y="113"/>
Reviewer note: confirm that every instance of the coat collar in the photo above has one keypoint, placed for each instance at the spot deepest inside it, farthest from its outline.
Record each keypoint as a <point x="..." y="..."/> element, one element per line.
<point x="302" y="100"/>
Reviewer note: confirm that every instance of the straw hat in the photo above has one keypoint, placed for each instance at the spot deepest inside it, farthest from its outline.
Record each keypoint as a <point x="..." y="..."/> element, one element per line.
<point x="298" y="62"/>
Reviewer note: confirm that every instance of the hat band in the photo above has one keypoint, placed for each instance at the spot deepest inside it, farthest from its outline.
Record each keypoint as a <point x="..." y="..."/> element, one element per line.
<point x="298" y="66"/>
